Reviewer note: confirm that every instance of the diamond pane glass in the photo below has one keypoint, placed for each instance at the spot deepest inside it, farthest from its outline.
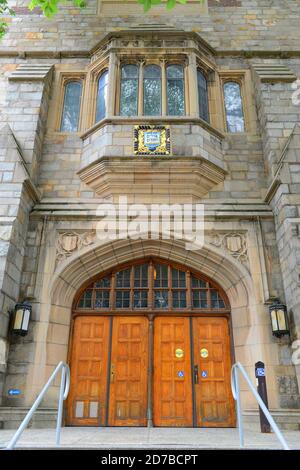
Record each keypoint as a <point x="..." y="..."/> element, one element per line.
<point x="102" y="299"/>
<point x="140" y="298"/>
<point x="71" y="109"/>
<point x="152" y="90"/>
<point x="234" y="107"/>
<point x="175" y="90"/>
<point x="122" y="299"/>
<point x="179" y="299"/>
<point x="123" y="278"/>
<point x="161" y="299"/>
<point x="102" y="96"/>
<point x="129" y="90"/>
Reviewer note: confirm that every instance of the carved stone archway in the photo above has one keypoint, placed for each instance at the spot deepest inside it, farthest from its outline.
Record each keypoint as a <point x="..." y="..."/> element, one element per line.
<point x="234" y="278"/>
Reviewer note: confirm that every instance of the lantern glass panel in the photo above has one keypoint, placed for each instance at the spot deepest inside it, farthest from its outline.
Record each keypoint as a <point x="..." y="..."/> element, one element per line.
<point x="274" y="320"/>
<point x="18" y="319"/>
<point x="26" y="320"/>
<point x="281" y="320"/>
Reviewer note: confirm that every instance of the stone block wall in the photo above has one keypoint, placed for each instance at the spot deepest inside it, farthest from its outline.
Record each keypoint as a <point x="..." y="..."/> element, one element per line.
<point x="231" y="25"/>
<point x="16" y="201"/>
<point x="279" y="117"/>
<point x="243" y="32"/>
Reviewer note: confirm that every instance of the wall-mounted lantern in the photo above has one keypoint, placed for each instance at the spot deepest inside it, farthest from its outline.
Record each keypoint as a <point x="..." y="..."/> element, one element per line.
<point x="21" y="319"/>
<point x="279" y="319"/>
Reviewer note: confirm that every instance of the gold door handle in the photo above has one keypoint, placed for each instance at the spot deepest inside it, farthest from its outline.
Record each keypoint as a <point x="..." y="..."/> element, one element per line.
<point x="112" y="373"/>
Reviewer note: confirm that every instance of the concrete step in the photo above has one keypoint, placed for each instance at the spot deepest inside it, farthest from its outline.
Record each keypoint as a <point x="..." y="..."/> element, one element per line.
<point x="11" y="417"/>
<point x="148" y="438"/>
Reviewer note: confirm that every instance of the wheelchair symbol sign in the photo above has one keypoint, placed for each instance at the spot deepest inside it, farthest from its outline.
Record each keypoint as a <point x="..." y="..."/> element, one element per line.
<point x="180" y="373"/>
<point x="260" y="372"/>
<point x="204" y="374"/>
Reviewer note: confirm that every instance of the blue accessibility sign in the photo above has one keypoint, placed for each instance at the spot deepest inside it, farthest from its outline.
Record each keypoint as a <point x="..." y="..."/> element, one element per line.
<point x="14" y="391"/>
<point x="260" y="372"/>
<point x="204" y="374"/>
<point x="180" y="373"/>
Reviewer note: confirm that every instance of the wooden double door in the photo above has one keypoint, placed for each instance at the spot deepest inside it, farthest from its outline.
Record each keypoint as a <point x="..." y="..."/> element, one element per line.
<point x="167" y="371"/>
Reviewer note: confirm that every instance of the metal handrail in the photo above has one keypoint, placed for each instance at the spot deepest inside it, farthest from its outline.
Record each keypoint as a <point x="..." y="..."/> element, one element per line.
<point x="235" y="388"/>
<point x="63" y="393"/>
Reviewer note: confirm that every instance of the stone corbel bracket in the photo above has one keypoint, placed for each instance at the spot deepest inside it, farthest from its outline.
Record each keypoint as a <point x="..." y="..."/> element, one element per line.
<point x="271" y="73"/>
<point x="29" y="72"/>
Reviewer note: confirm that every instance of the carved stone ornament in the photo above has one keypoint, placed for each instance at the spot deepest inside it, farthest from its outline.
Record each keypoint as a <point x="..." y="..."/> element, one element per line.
<point x="69" y="242"/>
<point x="233" y="243"/>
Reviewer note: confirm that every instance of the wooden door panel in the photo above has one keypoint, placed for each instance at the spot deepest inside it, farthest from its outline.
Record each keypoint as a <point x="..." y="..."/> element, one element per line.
<point x="172" y="393"/>
<point x="89" y="362"/>
<point x="129" y="365"/>
<point x="214" y="402"/>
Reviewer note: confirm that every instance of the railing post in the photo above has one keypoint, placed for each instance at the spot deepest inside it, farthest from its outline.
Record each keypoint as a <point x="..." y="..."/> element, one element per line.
<point x="63" y="393"/>
<point x="262" y="391"/>
<point x="239" y="407"/>
<point x="60" y="405"/>
<point x="235" y="387"/>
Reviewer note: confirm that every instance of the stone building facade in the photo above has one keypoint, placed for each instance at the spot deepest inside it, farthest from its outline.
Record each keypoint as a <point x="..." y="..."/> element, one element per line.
<point x="53" y="179"/>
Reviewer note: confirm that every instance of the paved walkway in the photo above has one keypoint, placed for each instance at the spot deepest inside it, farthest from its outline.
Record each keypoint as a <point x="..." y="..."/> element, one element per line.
<point x="149" y="438"/>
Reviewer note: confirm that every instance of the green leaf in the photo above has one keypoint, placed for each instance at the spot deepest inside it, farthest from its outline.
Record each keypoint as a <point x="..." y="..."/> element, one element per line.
<point x="171" y="4"/>
<point x="147" y="5"/>
<point x="80" y="3"/>
<point x="32" y="4"/>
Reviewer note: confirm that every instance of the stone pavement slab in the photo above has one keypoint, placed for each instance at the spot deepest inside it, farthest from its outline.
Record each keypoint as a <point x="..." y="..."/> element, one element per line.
<point x="148" y="438"/>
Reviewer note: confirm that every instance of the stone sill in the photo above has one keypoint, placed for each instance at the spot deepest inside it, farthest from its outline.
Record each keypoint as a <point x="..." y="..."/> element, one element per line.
<point x="153" y="120"/>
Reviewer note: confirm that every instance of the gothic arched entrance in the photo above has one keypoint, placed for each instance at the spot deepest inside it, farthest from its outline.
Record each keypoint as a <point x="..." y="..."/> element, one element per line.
<point x="150" y="344"/>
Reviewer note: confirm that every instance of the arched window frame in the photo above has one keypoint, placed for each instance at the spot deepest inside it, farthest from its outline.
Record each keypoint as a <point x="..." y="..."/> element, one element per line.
<point x="103" y="71"/>
<point x="64" y="82"/>
<point x="151" y="288"/>
<point x="238" y="80"/>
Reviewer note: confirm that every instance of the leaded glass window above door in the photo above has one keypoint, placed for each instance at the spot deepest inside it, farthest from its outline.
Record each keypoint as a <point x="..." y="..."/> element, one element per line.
<point x="152" y="285"/>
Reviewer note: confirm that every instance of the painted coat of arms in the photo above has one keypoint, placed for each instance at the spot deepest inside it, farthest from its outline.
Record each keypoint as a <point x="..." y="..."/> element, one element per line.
<point x="152" y="140"/>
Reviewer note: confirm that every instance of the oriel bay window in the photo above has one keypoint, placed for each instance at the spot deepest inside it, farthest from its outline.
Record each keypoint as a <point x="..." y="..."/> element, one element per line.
<point x="151" y="285"/>
<point x="71" y="106"/>
<point x="141" y="90"/>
